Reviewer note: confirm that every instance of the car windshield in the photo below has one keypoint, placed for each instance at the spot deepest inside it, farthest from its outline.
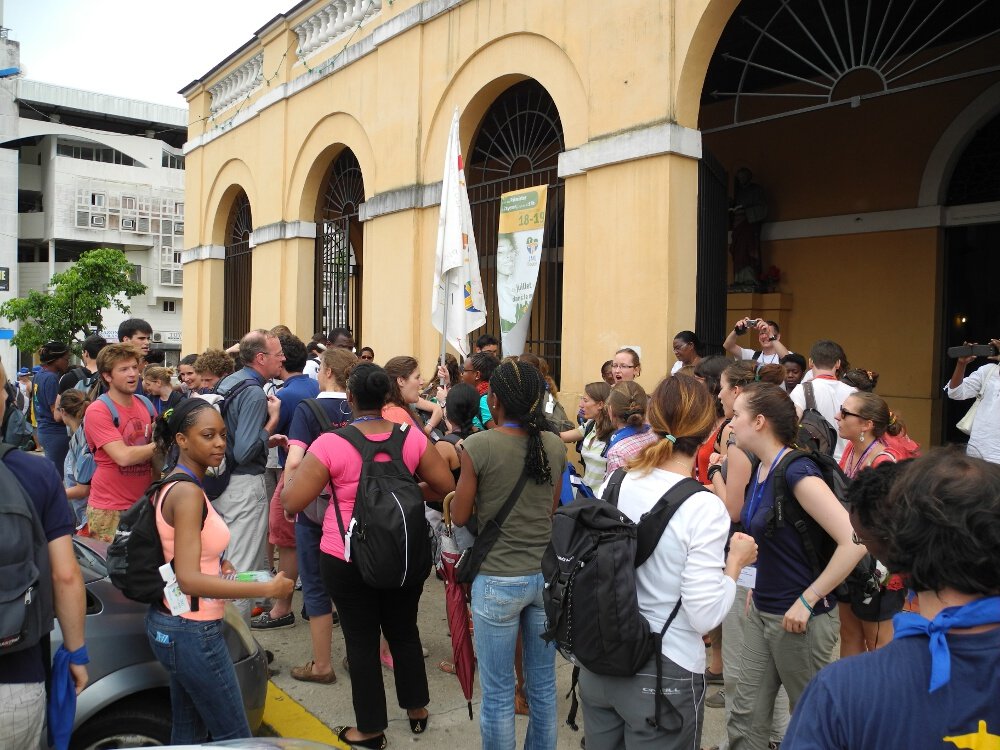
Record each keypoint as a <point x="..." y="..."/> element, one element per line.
<point x="92" y="564"/>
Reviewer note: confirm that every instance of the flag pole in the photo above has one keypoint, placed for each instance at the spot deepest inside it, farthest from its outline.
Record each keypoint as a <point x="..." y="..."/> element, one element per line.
<point x="444" y="327"/>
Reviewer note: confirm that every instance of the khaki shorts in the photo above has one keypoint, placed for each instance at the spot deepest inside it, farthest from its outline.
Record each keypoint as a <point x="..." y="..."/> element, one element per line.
<point x="103" y="523"/>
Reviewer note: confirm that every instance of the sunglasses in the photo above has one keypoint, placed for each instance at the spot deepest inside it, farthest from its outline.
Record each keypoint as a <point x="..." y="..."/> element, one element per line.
<point x="844" y="414"/>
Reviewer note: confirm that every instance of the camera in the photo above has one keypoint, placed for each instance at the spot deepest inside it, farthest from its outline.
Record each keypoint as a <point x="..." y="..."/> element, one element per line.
<point x="973" y="350"/>
<point x="753" y="322"/>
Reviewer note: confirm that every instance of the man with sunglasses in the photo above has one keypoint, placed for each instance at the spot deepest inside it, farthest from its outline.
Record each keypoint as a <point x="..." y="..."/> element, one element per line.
<point x="828" y="392"/>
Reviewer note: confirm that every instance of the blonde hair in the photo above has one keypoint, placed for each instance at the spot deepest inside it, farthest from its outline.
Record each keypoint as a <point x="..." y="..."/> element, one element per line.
<point x="158" y="374"/>
<point x="682" y="413"/>
<point x="340" y="362"/>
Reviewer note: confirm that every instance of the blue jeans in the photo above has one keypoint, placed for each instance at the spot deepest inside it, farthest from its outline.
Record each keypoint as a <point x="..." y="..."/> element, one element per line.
<point x="500" y="606"/>
<point x="204" y="695"/>
<point x="55" y="442"/>
<point x="315" y="600"/>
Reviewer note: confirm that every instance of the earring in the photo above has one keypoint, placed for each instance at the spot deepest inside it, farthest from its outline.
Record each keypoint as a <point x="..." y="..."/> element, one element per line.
<point x="862" y="438"/>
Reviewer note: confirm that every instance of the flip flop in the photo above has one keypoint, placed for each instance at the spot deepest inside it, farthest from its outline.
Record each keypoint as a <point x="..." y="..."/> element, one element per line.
<point x="447" y="667"/>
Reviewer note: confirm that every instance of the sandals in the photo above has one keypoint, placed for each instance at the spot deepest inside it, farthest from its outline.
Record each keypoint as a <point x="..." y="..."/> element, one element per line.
<point x="417" y="726"/>
<point x="375" y="743"/>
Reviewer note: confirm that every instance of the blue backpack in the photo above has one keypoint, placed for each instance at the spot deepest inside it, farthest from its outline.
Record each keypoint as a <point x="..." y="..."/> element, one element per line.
<point x="86" y="465"/>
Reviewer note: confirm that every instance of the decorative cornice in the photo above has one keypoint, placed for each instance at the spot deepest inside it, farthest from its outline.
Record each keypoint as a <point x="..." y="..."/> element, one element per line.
<point x="662" y="138"/>
<point x="415" y="16"/>
<point x="238" y="84"/>
<point x="203" y="252"/>
<point x="401" y="199"/>
<point x="283" y="230"/>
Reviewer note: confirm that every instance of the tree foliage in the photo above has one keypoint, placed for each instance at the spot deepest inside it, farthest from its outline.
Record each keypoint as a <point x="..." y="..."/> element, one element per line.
<point x="100" y="279"/>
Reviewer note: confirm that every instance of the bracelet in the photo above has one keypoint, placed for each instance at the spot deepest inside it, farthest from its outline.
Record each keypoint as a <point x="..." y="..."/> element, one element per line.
<point x="818" y="595"/>
<point x="803" y="600"/>
<point x="740" y="330"/>
<point x="713" y="470"/>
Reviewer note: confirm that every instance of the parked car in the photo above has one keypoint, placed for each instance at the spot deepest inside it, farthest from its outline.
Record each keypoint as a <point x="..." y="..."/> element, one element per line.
<point x="127" y="701"/>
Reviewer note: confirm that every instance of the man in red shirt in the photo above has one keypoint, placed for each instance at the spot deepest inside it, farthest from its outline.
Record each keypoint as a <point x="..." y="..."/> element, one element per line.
<point x="119" y="430"/>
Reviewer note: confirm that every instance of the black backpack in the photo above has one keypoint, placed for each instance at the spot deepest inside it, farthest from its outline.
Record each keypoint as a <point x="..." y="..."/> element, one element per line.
<point x="815" y="433"/>
<point x="216" y="480"/>
<point x="389" y="538"/>
<point x="26" y="610"/>
<point x="596" y="548"/>
<point x="818" y="545"/>
<point x="136" y="553"/>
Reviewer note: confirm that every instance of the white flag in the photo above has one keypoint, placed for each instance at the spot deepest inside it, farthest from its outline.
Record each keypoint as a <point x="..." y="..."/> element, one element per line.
<point x="458" y="304"/>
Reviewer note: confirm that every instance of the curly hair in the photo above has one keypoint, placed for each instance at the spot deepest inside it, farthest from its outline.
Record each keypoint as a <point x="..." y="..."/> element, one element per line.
<point x="867" y="495"/>
<point x="945" y="523"/>
<point x="520" y="388"/>
<point x="682" y="414"/>
<point x="214" y="361"/>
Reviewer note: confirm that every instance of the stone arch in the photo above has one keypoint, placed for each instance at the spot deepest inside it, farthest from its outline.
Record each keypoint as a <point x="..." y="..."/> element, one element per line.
<point x="232" y="178"/>
<point x="707" y="21"/>
<point x="476" y="85"/>
<point x="322" y="145"/>
<point x="950" y="146"/>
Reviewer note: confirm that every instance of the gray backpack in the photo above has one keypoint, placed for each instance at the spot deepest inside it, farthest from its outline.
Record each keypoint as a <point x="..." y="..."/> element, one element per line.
<point x="26" y="610"/>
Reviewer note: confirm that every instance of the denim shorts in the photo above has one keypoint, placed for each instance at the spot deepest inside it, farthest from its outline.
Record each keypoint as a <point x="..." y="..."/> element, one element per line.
<point x="314" y="595"/>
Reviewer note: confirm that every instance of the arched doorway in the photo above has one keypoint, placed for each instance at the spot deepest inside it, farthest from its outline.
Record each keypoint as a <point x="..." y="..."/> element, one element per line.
<point x="340" y="247"/>
<point x="517" y="146"/>
<point x="237" y="272"/>
<point x="970" y="306"/>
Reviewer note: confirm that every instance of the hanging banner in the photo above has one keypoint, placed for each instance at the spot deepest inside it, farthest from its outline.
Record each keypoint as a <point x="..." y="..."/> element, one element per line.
<point x="519" y="254"/>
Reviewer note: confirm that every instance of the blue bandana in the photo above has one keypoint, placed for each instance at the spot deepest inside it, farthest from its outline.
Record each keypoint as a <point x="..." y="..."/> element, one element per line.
<point x="984" y="611"/>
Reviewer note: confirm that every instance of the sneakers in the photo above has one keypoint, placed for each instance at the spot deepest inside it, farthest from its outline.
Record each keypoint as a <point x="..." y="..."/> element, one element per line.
<point x="264" y="621"/>
<point x="713" y="678"/>
<point x="717" y="699"/>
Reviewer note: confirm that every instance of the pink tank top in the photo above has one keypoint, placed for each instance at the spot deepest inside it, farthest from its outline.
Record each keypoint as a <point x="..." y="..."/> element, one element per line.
<point x="214" y="540"/>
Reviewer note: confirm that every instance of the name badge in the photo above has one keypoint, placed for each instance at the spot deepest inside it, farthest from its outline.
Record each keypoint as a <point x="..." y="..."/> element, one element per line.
<point x="748" y="577"/>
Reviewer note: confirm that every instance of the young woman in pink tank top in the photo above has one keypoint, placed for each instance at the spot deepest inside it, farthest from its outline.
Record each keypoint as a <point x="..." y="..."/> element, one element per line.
<point x="204" y="695"/>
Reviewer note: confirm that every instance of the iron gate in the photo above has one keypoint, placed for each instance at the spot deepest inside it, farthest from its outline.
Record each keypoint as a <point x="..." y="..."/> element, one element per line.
<point x="237" y="273"/>
<point x="339" y="245"/>
<point x="713" y="229"/>
<point x="518" y="146"/>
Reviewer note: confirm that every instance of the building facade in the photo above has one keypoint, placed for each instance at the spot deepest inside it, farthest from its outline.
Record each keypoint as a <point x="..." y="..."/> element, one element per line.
<point x="82" y="170"/>
<point x="315" y="154"/>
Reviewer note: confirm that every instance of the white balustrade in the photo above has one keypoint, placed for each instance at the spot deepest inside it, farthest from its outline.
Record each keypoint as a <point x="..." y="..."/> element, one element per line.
<point x="237" y="84"/>
<point x="331" y="22"/>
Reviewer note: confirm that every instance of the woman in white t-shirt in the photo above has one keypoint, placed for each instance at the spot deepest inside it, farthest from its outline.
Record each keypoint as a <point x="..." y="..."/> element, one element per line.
<point x="592" y="436"/>
<point x="687" y="570"/>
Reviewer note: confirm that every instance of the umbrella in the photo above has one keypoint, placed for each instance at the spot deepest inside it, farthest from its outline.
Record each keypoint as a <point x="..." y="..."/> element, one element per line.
<point x="456" y="598"/>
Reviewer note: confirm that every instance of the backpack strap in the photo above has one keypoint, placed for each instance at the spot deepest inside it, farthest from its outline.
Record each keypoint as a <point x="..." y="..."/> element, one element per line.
<point x="149" y="406"/>
<point x="654" y="721"/>
<point x="229" y="395"/>
<point x="653" y="523"/>
<point x="807" y="389"/>
<point x="319" y="413"/>
<point x="789" y="512"/>
<point x="614" y="486"/>
<point x="105" y="399"/>
<point x="756" y="356"/>
<point x="159" y="494"/>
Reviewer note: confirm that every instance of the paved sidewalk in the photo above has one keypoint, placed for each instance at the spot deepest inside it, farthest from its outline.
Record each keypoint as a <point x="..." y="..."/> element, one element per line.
<point x="449" y="725"/>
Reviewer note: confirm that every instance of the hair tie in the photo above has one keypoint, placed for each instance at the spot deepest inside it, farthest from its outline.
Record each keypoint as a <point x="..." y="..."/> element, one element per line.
<point x="670" y="437"/>
<point x="892" y="419"/>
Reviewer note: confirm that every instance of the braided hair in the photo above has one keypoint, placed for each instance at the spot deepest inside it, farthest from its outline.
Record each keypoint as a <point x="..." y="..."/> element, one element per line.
<point x="521" y="389"/>
<point x="176" y="420"/>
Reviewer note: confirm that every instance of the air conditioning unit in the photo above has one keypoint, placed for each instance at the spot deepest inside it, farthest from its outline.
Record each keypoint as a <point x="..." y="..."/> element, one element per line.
<point x="128" y="224"/>
<point x="178" y="227"/>
<point x="157" y="338"/>
<point x="98" y="221"/>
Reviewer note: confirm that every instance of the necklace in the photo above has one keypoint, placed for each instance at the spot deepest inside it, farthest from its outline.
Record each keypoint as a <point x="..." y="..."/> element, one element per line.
<point x="368" y="418"/>
<point x="687" y="465"/>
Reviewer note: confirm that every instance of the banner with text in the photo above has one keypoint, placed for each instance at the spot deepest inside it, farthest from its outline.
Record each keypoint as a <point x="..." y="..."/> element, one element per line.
<point x="519" y="254"/>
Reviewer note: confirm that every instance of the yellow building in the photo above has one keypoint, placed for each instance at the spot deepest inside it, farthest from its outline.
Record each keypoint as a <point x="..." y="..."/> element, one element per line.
<point x="315" y="156"/>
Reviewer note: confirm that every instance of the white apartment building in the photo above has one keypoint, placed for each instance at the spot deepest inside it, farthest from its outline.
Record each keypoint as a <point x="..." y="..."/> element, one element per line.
<point x="81" y="170"/>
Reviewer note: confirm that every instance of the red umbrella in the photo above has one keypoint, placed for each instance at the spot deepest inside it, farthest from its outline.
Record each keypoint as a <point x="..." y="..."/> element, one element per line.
<point x="456" y="598"/>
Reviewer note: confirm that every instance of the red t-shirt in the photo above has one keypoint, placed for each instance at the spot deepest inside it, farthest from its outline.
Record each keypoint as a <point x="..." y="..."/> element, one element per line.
<point x="117" y="487"/>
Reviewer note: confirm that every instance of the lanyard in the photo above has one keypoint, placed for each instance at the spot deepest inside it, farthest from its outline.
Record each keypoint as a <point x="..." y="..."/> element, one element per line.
<point x="186" y="470"/>
<point x="757" y="493"/>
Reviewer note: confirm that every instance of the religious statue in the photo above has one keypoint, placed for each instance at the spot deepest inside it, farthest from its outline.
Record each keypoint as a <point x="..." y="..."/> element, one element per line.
<point x="748" y="211"/>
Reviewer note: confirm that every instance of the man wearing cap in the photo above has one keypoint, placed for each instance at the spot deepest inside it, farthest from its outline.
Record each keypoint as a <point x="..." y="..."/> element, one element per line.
<point x="24" y="390"/>
<point x="52" y="434"/>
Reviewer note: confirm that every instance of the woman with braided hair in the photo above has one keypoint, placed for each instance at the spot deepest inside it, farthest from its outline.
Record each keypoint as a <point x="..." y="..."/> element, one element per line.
<point x="517" y="461"/>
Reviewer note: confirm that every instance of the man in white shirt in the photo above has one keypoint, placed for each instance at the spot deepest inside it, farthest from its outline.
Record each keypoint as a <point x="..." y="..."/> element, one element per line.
<point x="825" y="361"/>
<point x="984" y="437"/>
<point x="769" y="337"/>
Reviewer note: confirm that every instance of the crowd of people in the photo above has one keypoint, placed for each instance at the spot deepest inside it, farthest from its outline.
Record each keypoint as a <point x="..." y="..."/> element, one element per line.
<point x="254" y="458"/>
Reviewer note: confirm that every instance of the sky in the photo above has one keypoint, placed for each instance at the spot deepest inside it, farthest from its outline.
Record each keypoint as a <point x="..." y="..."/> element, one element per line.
<point x="133" y="48"/>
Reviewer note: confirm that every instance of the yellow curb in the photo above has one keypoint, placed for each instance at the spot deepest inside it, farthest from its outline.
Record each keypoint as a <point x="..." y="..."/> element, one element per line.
<point x="288" y="718"/>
